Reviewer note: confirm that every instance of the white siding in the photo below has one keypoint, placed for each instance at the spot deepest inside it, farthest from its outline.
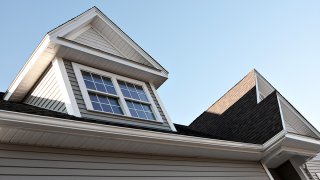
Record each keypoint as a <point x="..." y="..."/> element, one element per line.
<point x="47" y="93"/>
<point x="93" y="39"/>
<point x="313" y="167"/>
<point x="26" y="163"/>
<point x="119" y="42"/>
<point x="112" y="118"/>
<point x="293" y="123"/>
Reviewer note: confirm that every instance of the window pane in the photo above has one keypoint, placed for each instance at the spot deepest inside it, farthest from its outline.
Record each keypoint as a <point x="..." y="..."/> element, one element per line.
<point x="103" y="99"/>
<point x="126" y="93"/>
<point x="139" y="89"/>
<point x="146" y="108"/>
<point x="141" y="114"/>
<point x="96" y="78"/>
<point x="133" y="113"/>
<point x="150" y="116"/>
<point x="89" y="85"/>
<point x="122" y="85"/>
<point x="106" y="108"/>
<point x="107" y="81"/>
<point x="130" y="105"/>
<point x="117" y="110"/>
<point x="96" y="106"/>
<point x="134" y="95"/>
<point x="143" y="97"/>
<point x="113" y="101"/>
<point x="86" y="75"/>
<point x="93" y="97"/>
<point x="137" y="106"/>
<point x="100" y="87"/>
<point x="131" y="87"/>
<point x="111" y="90"/>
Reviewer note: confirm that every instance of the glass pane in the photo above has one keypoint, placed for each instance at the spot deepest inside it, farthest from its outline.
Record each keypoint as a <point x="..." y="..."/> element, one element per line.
<point x="130" y="105"/>
<point x="117" y="110"/>
<point x="97" y="78"/>
<point x="134" y="95"/>
<point x="86" y="75"/>
<point x="100" y="87"/>
<point x="96" y="106"/>
<point x="106" y="108"/>
<point x="138" y="106"/>
<point x="103" y="99"/>
<point x="143" y="97"/>
<point x="150" y="116"/>
<point x="89" y="85"/>
<point x="111" y="90"/>
<point x="139" y="89"/>
<point x="122" y="84"/>
<point x="126" y="93"/>
<point x="93" y="97"/>
<point x="142" y="115"/>
<point x="133" y="113"/>
<point x="107" y="81"/>
<point x="113" y="101"/>
<point x="146" y="108"/>
<point x="131" y="87"/>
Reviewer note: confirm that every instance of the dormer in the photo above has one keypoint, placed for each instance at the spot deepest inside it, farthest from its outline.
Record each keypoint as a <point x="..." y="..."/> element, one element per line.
<point x="88" y="67"/>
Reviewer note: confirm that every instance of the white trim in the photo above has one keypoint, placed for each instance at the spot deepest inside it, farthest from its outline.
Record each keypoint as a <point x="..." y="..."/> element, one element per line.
<point x="257" y="87"/>
<point x="27" y="66"/>
<point x="105" y="55"/>
<point x="267" y="171"/>
<point x="173" y="128"/>
<point x="274" y="140"/>
<point x="64" y="83"/>
<point x="299" y="169"/>
<point x="281" y="113"/>
<point x="303" y="138"/>
<point x="298" y="115"/>
<point x="9" y="118"/>
<point x="114" y="77"/>
<point x="74" y="35"/>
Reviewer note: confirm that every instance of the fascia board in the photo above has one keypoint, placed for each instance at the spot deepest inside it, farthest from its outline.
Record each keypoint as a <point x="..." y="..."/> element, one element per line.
<point x="67" y="43"/>
<point x="8" y="118"/>
<point x="27" y="66"/>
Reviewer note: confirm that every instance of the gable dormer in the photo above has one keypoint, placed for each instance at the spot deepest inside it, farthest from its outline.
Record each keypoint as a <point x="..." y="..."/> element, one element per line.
<point x="88" y="67"/>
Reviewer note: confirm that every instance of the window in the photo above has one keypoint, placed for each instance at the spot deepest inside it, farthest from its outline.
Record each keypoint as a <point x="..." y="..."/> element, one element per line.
<point x="109" y="93"/>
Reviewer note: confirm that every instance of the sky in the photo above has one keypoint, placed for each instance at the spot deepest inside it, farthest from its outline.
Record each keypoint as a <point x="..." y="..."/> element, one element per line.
<point x="207" y="46"/>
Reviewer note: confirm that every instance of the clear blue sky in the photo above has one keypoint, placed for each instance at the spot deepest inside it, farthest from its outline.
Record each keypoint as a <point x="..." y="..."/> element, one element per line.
<point x="207" y="46"/>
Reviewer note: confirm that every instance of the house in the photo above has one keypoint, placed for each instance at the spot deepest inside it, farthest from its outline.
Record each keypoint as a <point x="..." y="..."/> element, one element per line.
<point x="85" y="106"/>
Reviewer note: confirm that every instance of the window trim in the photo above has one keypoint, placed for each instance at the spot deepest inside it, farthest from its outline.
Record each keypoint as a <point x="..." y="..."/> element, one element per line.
<point x="122" y="99"/>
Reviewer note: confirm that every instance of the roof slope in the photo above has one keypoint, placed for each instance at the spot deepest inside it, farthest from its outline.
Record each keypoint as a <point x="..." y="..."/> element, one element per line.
<point x="245" y="121"/>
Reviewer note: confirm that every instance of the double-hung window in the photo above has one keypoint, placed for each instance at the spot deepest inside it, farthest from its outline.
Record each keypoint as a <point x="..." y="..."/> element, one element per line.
<point x="109" y="93"/>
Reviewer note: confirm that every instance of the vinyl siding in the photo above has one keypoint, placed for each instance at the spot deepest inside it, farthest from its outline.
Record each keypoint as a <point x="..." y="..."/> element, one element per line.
<point x="294" y="124"/>
<point x="93" y="39"/>
<point x="26" y="163"/>
<point x="47" y="93"/>
<point x="112" y="118"/>
<point x="313" y="167"/>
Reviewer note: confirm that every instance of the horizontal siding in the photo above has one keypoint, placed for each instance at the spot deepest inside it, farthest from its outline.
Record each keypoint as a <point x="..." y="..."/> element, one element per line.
<point x="94" y="39"/>
<point x="108" y="117"/>
<point x="119" y="42"/>
<point x="294" y="124"/>
<point x="47" y="93"/>
<point x="59" y="164"/>
<point x="313" y="167"/>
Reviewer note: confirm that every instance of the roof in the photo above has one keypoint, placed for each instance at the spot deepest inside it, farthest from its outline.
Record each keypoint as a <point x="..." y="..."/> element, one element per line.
<point x="245" y="121"/>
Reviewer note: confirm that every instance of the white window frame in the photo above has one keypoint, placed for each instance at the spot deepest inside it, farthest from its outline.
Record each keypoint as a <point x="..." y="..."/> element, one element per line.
<point x="114" y="78"/>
